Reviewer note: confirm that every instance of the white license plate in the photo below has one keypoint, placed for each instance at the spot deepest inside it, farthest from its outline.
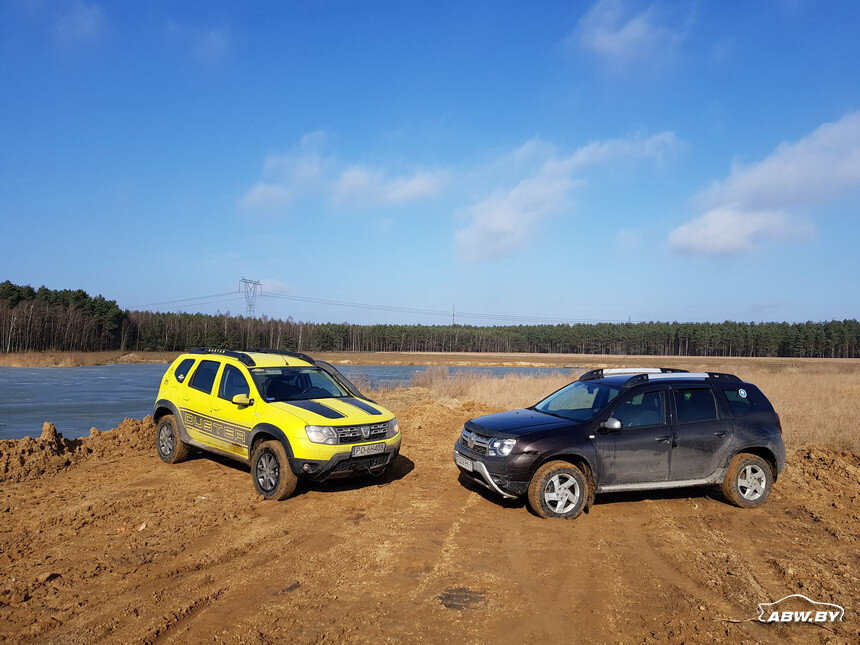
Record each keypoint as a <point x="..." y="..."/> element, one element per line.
<point x="368" y="449"/>
<point x="463" y="463"/>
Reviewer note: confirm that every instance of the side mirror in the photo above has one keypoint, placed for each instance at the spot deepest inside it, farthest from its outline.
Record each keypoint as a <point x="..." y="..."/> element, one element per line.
<point x="242" y="400"/>
<point x="611" y="425"/>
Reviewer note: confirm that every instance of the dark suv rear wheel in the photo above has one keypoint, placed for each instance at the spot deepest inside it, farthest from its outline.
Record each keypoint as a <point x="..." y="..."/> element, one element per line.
<point x="558" y="489"/>
<point x="748" y="480"/>
<point x="168" y="441"/>
<point x="270" y="469"/>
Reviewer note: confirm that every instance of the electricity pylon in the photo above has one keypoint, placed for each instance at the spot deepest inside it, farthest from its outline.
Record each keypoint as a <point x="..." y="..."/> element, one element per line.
<point x="250" y="288"/>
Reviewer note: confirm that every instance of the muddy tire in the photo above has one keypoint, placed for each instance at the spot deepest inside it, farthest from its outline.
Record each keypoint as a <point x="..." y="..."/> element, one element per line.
<point x="271" y="472"/>
<point x="558" y="489"/>
<point x="748" y="481"/>
<point x="168" y="441"/>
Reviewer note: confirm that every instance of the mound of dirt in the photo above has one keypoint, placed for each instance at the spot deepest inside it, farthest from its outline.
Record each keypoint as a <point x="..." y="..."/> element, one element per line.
<point x="29" y="458"/>
<point x="430" y="415"/>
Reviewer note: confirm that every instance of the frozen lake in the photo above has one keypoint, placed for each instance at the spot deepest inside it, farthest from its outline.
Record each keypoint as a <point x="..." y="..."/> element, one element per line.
<point x="78" y="398"/>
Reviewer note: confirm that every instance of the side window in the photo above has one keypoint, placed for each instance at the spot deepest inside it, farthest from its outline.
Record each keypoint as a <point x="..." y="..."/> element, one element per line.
<point x="646" y="409"/>
<point x="233" y="383"/>
<point x="695" y="404"/>
<point x="739" y="401"/>
<point x="204" y="376"/>
<point x="182" y="369"/>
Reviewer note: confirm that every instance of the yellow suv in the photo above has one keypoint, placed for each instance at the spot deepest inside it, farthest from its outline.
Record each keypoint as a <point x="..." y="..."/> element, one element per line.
<point x="284" y="413"/>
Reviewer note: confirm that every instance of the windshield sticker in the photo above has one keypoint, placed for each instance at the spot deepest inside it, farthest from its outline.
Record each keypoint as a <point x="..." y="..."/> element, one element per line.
<point x="742" y="393"/>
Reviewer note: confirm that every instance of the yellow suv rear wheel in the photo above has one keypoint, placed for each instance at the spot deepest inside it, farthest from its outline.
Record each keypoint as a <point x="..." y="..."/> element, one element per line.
<point x="168" y="441"/>
<point x="271" y="472"/>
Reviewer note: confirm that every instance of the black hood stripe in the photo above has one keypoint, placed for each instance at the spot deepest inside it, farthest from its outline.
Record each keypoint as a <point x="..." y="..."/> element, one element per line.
<point x="361" y="405"/>
<point x="316" y="408"/>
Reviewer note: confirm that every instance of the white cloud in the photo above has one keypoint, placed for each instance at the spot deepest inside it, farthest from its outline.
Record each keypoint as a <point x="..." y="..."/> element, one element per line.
<point x="627" y="240"/>
<point x="367" y="187"/>
<point x="624" y="38"/>
<point x="206" y="46"/>
<point x="505" y="219"/>
<point x="755" y="202"/>
<point x="210" y="46"/>
<point x="807" y="172"/>
<point x="728" y="231"/>
<point x="273" y="285"/>
<point x="81" y="24"/>
<point x="263" y="197"/>
<point x="307" y="171"/>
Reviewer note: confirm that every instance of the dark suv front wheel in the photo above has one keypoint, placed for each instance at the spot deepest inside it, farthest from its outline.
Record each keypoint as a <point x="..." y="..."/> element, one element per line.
<point x="558" y="489"/>
<point x="270" y="469"/>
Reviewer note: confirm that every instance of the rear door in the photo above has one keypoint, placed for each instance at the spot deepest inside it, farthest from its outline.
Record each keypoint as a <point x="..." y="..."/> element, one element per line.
<point x="702" y="432"/>
<point x="196" y="401"/>
<point x="639" y="452"/>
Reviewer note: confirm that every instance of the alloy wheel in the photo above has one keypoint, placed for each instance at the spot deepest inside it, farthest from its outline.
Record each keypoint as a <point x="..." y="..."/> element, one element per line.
<point x="752" y="481"/>
<point x="267" y="471"/>
<point x="561" y="493"/>
<point x="166" y="442"/>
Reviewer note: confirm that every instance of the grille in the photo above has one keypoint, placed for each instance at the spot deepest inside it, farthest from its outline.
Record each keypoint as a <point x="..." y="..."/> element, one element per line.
<point x="480" y="441"/>
<point x="353" y="434"/>
<point x="360" y="463"/>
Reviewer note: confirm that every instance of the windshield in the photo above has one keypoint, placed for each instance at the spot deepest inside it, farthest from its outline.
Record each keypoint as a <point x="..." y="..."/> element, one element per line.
<point x="295" y="384"/>
<point x="579" y="401"/>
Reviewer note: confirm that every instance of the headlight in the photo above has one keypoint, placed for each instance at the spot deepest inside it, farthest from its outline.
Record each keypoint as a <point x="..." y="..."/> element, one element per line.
<point x="393" y="428"/>
<point x="321" y="434"/>
<point x="500" y="447"/>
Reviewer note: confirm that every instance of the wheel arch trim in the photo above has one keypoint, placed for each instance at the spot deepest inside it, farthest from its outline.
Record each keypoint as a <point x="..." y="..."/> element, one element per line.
<point x="164" y="404"/>
<point x="268" y="430"/>
<point x="759" y="451"/>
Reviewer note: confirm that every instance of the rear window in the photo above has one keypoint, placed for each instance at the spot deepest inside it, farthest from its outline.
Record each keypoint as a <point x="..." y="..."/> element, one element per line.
<point x="695" y="405"/>
<point x="204" y="376"/>
<point x="182" y="369"/>
<point x="740" y="402"/>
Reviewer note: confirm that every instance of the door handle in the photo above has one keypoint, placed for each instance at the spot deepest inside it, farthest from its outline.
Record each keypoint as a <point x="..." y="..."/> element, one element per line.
<point x="663" y="439"/>
<point x="720" y="433"/>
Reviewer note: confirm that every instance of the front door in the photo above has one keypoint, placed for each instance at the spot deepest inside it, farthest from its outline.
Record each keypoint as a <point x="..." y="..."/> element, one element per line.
<point x="638" y="452"/>
<point x="233" y="422"/>
<point x="701" y="437"/>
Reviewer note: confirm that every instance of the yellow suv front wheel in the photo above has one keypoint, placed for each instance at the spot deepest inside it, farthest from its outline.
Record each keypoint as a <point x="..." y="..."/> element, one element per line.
<point x="270" y="469"/>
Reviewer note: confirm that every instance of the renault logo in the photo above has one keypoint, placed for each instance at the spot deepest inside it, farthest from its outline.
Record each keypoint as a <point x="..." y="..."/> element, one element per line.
<point x="470" y="440"/>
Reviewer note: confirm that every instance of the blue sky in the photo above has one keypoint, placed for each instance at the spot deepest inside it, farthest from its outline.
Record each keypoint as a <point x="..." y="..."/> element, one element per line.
<point x="606" y="160"/>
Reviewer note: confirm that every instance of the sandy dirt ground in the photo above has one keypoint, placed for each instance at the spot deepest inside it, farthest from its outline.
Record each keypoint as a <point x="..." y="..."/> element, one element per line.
<point x="101" y="541"/>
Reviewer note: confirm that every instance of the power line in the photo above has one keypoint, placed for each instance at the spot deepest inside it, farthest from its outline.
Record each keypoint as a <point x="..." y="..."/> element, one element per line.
<point x="210" y="302"/>
<point x="170" y="302"/>
<point x="432" y="312"/>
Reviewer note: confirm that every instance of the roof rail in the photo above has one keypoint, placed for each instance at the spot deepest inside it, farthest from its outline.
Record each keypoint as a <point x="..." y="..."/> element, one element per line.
<point x="592" y="375"/>
<point x="239" y="356"/>
<point x="645" y="378"/>
<point x="283" y="352"/>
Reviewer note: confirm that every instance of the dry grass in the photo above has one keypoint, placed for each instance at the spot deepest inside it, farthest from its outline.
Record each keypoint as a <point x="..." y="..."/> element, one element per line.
<point x="79" y="359"/>
<point x="817" y="405"/>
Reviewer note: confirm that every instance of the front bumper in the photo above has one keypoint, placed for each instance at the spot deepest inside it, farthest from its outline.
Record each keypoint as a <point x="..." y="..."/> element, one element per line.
<point x="343" y="464"/>
<point x="491" y="476"/>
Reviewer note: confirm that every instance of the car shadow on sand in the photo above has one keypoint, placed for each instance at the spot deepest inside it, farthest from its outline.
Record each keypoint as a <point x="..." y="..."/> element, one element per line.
<point x="710" y="493"/>
<point x="398" y="469"/>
